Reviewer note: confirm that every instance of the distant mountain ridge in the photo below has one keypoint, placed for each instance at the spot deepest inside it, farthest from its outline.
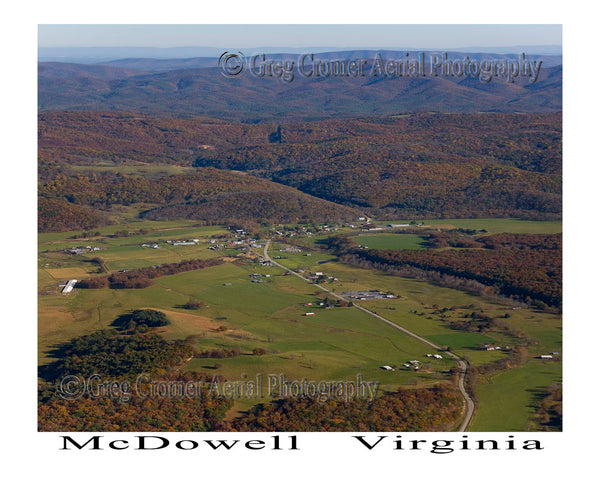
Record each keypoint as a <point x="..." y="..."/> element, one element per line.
<point x="107" y="54"/>
<point x="195" y="86"/>
<point x="160" y="64"/>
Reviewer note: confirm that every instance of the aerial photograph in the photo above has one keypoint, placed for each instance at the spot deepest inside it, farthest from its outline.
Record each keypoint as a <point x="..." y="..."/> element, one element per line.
<point x="299" y="228"/>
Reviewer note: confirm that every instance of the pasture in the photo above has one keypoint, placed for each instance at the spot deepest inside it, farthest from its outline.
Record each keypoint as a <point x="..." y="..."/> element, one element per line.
<point x="391" y="241"/>
<point x="335" y="343"/>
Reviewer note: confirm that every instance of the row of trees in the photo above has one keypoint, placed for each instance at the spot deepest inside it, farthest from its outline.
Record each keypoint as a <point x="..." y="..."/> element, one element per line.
<point x="142" y="277"/>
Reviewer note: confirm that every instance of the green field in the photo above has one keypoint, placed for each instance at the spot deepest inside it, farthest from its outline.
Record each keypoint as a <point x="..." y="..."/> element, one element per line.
<point x="492" y="225"/>
<point x="507" y="400"/>
<point x="391" y="241"/>
<point x="544" y="328"/>
<point x="335" y="343"/>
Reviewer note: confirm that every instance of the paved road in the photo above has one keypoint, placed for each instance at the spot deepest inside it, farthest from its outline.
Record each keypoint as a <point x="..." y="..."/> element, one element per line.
<point x="461" y="363"/>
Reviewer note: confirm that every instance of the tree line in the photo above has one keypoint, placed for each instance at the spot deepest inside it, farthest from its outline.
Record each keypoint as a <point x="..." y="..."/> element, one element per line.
<point x="527" y="267"/>
<point x="142" y="277"/>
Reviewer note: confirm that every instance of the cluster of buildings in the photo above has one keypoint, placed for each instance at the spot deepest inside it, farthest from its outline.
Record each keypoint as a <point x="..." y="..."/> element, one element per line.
<point x="78" y="250"/>
<point x="256" y="277"/>
<point x="489" y="347"/>
<point x="550" y="356"/>
<point x="367" y="295"/>
<point x="194" y="241"/>
<point x="291" y="249"/>
<point x="413" y="364"/>
<point x="437" y="356"/>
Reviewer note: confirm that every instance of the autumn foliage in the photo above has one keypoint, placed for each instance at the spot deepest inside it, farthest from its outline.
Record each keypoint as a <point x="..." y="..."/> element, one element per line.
<point x="423" y="409"/>
<point x="527" y="267"/>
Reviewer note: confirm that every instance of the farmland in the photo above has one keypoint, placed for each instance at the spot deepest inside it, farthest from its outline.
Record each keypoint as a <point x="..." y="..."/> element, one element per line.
<point x="269" y="314"/>
<point x="390" y="241"/>
<point x="492" y="225"/>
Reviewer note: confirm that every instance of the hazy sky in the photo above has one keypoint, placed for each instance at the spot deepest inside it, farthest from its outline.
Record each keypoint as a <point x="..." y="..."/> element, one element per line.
<point x="364" y="36"/>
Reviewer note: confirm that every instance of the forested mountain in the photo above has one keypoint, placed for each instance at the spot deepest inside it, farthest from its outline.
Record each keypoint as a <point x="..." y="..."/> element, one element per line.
<point x="417" y="166"/>
<point x="71" y="200"/>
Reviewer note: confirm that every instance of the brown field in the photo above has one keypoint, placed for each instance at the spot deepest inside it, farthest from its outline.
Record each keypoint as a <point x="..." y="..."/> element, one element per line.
<point x="185" y="324"/>
<point x="73" y="272"/>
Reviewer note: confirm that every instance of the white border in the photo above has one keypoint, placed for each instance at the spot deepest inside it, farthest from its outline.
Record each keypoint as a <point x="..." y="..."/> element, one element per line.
<point x="323" y="456"/>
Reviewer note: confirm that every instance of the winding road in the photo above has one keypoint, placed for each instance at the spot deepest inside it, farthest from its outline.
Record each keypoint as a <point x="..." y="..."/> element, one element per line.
<point x="470" y="405"/>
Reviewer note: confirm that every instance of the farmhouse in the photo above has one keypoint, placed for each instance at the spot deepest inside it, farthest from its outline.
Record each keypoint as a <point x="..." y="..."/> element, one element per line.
<point x="308" y="314"/>
<point x="387" y="367"/>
